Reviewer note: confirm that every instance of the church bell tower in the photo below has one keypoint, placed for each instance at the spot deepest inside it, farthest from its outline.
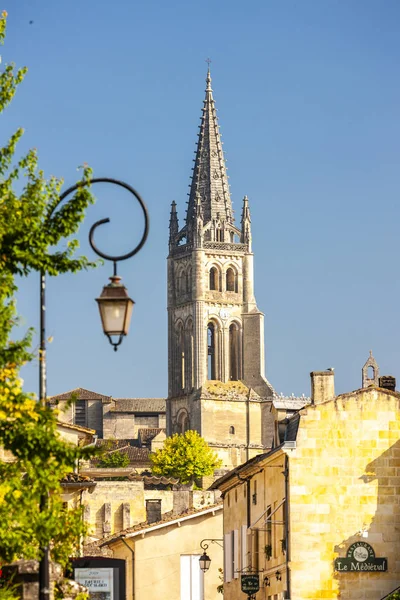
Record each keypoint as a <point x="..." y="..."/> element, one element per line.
<point x="215" y="330"/>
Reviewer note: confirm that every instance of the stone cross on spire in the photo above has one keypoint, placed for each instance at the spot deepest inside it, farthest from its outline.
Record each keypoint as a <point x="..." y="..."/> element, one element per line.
<point x="209" y="178"/>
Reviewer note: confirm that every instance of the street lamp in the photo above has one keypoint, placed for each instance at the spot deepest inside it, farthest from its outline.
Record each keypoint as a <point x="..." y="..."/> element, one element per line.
<point x="115" y="310"/>
<point x="205" y="560"/>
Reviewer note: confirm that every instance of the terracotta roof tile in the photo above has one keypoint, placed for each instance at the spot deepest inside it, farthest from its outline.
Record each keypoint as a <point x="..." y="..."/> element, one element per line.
<point x="81" y="394"/>
<point x="146" y="435"/>
<point x="166" y="518"/>
<point x="138" y="405"/>
<point x="137" y="456"/>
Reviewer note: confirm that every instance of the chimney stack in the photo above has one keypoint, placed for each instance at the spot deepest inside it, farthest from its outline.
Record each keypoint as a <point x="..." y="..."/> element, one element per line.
<point x="387" y="382"/>
<point x="322" y="386"/>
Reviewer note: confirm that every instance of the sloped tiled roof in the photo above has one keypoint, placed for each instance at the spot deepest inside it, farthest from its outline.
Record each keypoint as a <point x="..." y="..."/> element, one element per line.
<point x="146" y="435"/>
<point x="138" y="405"/>
<point x="136" y="455"/>
<point x="113" y="444"/>
<point x="80" y="394"/>
<point x="290" y="402"/>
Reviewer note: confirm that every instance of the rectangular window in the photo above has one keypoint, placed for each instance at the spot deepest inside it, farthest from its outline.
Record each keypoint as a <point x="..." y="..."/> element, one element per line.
<point x="268" y="527"/>
<point x="192" y="582"/>
<point x="255" y="493"/>
<point x="255" y="549"/>
<point x="80" y="413"/>
<point x="153" y="511"/>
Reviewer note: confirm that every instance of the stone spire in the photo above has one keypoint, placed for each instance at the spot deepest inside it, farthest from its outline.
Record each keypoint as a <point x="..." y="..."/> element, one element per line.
<point x="209" y="178"/>
<point x="173" y="225"/>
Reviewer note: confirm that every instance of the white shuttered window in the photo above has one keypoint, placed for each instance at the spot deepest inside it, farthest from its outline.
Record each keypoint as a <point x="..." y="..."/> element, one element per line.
<point x="228" y="557"/>
<point x="192" y="582"/>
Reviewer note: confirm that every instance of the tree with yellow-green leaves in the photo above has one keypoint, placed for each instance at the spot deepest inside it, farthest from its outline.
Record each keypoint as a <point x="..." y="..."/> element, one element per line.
<point x="29" y="231"/>
<point x="186" y="456"/>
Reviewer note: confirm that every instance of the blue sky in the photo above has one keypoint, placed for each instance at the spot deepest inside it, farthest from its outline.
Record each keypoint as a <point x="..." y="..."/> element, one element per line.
<point x="308" y="95"/>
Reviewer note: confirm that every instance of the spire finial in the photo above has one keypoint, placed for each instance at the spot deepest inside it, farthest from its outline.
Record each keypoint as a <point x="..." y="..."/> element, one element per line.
<point x="208" y="80"/>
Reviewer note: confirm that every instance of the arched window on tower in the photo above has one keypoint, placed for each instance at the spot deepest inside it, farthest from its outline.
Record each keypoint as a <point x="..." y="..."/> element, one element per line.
<point x="180" y="351"/>
<point x="183" y="421"/>
<point x="189" y="353"/>
<point x="234" y="352"/>
<point x="212" y="354"/>
<point x="189" y="280"/>
<point x="219" y="235"/>
<point x="231" y="280"/>
<point x="182" y="282"/>
<point x="214" y="279"/>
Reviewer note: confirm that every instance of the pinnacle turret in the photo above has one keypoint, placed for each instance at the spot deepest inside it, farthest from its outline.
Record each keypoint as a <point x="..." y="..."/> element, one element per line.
<point x="209" y="179"/>
<point x="245" y="237"/>
<point x="173" y="224"/>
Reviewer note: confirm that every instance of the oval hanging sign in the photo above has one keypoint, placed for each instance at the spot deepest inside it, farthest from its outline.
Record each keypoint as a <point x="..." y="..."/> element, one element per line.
<point x="360" y="556"/>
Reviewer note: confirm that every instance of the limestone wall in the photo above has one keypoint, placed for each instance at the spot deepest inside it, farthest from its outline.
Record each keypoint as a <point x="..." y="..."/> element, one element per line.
<point x="157" y="558"/>
<point x="345" y="488"/>
<point x="116" y="505"/>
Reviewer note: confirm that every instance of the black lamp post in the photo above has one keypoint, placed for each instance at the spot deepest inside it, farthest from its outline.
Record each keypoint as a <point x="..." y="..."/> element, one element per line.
<point x="205" y="560"/>
<point x="115" y="310"/>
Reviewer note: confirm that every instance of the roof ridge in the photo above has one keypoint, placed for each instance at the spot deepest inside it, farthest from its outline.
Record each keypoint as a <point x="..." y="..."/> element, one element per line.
<point x="80" y="388"/>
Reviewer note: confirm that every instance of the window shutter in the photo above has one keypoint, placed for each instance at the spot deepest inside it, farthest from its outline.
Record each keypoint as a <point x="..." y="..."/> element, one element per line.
<point x="185" y="578"/>
<point x="236" y="566"/>
<point x="228" y="557"/>
<point x="243" y="547"/>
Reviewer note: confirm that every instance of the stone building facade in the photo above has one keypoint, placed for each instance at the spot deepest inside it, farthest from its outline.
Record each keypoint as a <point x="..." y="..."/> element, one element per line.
<point x="318" y="516"/>
<point x="119" y="418"/>
<point x="216" y="379"/>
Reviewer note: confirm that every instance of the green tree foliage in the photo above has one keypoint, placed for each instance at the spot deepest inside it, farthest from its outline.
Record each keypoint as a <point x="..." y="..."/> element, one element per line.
<point x="114" y="460"/>
<point x="30" y="230"/>
<point x="394" y="596"/>
<point x="185" y="456"/>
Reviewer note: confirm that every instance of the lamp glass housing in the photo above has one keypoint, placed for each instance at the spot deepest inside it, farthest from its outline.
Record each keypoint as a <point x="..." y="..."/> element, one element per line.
<point x="205" y="562"/>
<point x="115" y="308"/>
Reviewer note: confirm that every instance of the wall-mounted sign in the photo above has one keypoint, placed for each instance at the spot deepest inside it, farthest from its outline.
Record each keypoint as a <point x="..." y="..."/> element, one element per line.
<point x="360" y="557"/>
<point x="99" y="582"/>
<point x="250" y="584"/>
<point x="103" y="577"/>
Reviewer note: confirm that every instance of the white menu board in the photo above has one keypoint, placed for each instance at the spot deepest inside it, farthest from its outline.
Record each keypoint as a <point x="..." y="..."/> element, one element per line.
<point x="99" y="582"/>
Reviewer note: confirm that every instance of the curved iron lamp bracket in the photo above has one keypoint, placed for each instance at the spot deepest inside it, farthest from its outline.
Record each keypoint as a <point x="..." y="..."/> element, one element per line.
<point x="130" y="189"/>
<point x="204" y="546"/>
<point x="114" y="259"/>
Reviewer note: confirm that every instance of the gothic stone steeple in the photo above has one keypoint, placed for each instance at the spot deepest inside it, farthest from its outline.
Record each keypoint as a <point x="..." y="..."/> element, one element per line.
<point x="215" y="330"/>
<point x="209" y="180"/>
